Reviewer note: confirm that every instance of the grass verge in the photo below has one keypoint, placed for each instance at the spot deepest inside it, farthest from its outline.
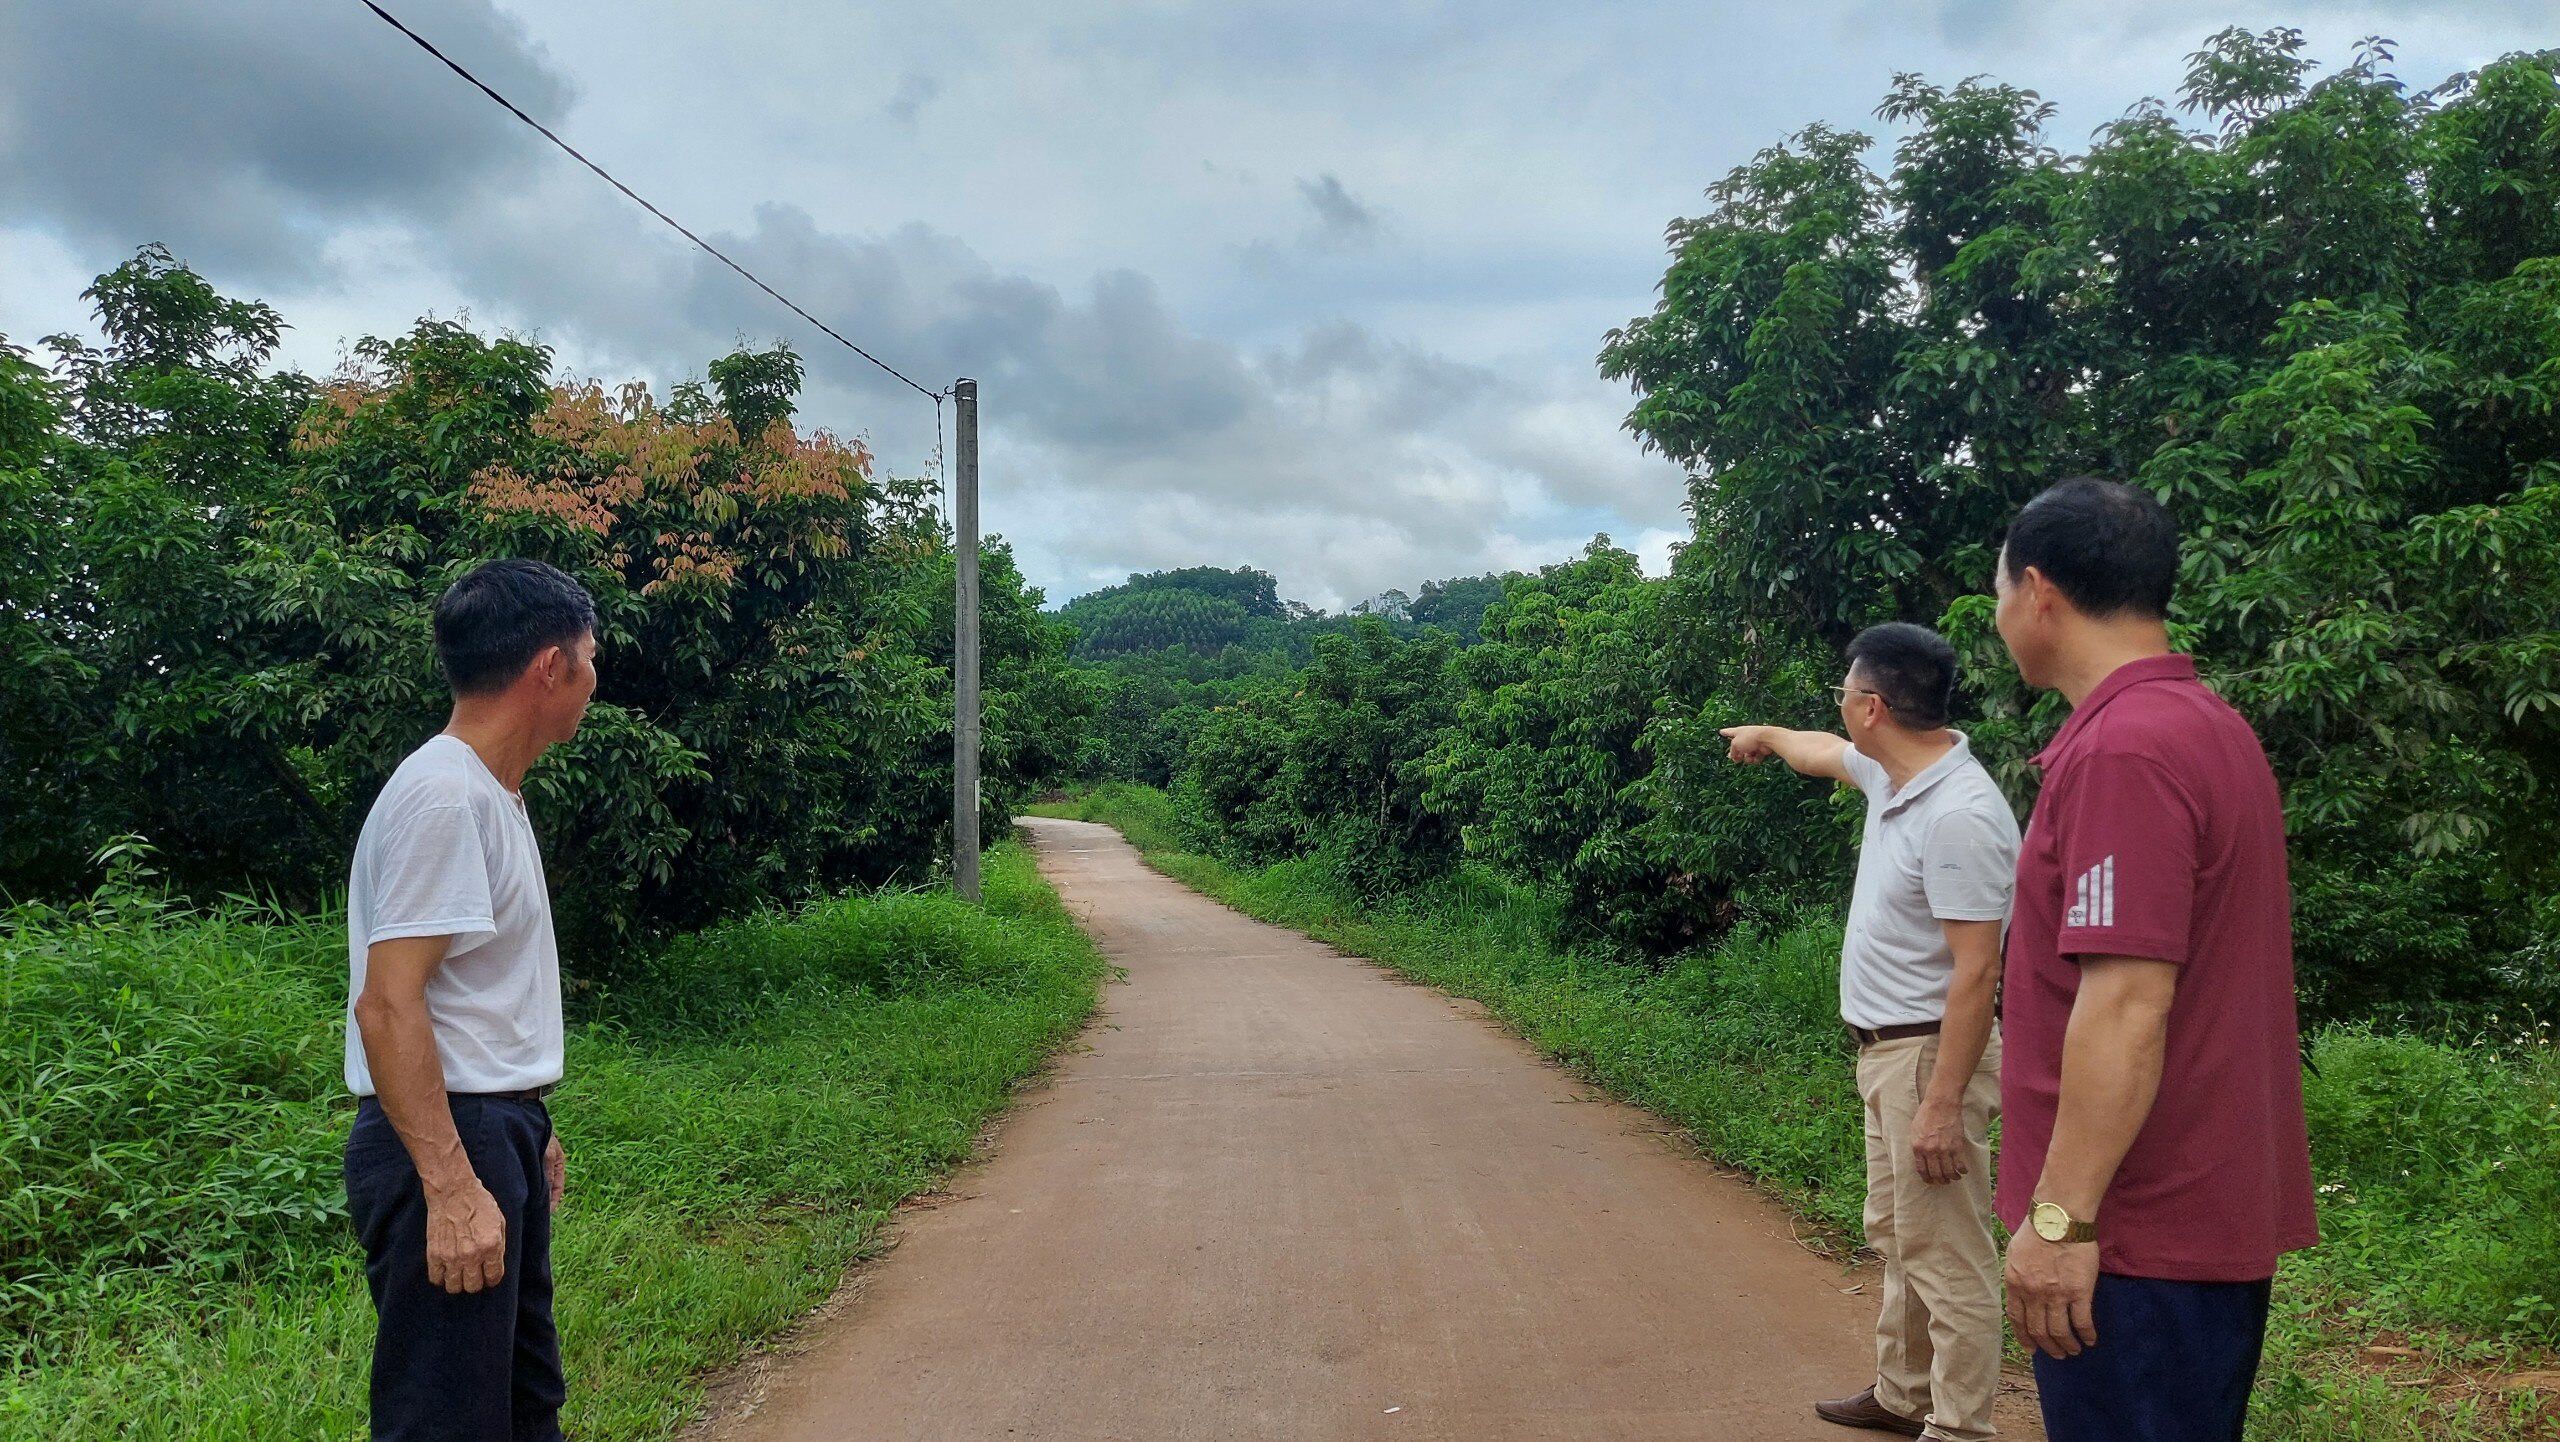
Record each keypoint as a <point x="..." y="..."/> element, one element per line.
<point x="741" y="1115"/>
<point x="2426" y="1314"/>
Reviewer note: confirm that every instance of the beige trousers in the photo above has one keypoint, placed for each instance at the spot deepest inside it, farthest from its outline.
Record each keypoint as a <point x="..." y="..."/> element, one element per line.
<point x="1938" y="1341"/>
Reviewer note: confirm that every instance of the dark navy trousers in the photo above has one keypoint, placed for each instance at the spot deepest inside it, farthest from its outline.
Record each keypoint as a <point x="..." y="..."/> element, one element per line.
<point x="482" y="1367"/>
<point x="2174" y="1363"/>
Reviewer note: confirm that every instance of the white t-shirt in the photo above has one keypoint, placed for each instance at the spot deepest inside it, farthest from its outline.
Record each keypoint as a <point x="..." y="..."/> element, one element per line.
<point x="448" y="851"/>
<point x="1943" y="848"/>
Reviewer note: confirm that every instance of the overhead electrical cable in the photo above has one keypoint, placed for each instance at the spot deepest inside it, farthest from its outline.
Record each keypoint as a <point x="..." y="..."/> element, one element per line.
<point x="966" y="797"/>
<point x="713" y="251"/>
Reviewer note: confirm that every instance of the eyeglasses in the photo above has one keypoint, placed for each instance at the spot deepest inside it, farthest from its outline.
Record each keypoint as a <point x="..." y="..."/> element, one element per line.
<point x="1840" y="695"/>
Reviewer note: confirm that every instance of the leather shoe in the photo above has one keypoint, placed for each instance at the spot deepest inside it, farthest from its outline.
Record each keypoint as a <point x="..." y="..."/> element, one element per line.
<point x="1864" y="1410"/>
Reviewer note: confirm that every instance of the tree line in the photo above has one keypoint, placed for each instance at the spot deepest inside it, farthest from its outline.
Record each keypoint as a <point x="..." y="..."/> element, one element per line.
<point x="2321" y="321"/>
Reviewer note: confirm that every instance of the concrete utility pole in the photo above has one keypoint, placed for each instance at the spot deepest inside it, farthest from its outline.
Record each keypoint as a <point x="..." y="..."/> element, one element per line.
<point x="964" y="646"/>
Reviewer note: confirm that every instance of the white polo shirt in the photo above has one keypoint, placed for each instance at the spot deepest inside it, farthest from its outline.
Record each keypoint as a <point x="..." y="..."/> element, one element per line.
<point x="447" y="850"/>
<point x="1942" y="848"/>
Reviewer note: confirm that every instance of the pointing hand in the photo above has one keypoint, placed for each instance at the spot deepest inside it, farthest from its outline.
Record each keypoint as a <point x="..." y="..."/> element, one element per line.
<point x="1750" y="743"/>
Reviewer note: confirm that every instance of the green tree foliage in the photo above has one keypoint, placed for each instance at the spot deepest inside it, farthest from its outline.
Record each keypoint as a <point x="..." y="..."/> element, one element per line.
<point x="1362" y="724"/>
<point x="1156" y="620"/>
<point x="1203" y="608"/>
<point x="1573" y="748"/>
<point x="1333" y="761"/>
<point x="136" y="476"/>
<point x="220" y="640"/>
<point x="1546" y="762"/>
<point x="1585" y="758"/>
<point x="2325" y="330"/>
<point x="1256" y="593"/>
<point x="1457" y="605"/>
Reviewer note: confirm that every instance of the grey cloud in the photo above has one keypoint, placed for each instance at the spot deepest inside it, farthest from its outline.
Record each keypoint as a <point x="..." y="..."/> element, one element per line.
<point x="1110" y="372"/>
<point x="1343" y="222"/>
<point x="1970" y="22"/>
<point x="1996" y="26"/>
<point x="245" y="132"/>
<point x="914" y="92"/>
<point x="254" y="137"/>
<point x="1114" y="430"/>
<point x="1348" y="370"/>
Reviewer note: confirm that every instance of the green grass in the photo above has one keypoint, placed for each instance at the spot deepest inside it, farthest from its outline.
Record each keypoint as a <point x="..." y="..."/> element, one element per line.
<point x="1143" y="814"/>
<point x="2439" y="1163"/>
<point x="741" y="1113"/>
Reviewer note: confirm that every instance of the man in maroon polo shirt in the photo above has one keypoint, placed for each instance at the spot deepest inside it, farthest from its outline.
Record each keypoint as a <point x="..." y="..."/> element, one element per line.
<point x="2154" y="1163"/>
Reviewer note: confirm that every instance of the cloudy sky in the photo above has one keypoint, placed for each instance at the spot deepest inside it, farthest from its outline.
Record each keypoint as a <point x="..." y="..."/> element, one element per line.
<point x="1314" y="287"/>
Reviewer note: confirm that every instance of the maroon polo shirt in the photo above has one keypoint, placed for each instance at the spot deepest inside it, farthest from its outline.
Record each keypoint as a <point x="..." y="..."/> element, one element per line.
<point x="2158" y="833"/>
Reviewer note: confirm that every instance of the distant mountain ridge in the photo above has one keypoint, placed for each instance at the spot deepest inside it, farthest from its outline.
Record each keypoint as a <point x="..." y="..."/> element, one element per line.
<point x="1209" y="608"/>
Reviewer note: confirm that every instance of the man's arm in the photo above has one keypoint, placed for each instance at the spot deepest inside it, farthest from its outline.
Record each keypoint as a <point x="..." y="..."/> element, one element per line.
<point x="466" y="1233"/>
<point x="1937" y="1132"/>
<point x="2111" y="1057"/>
<point x="1809" y="753"/>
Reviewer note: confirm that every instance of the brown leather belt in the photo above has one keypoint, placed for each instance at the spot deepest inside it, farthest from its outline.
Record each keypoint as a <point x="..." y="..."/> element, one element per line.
<point x="533" y="1094"/>
<point x="1870" y="1035"/>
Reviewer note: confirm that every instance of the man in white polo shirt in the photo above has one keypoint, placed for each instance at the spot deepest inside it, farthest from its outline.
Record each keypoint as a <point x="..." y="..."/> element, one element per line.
<point x="454" y="1029"/>
<point x="1919" y="966"/>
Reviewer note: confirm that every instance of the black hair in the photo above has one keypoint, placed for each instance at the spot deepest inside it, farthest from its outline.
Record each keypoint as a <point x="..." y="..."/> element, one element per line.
<point x="500" y="615"/>
<point x="1911" y="667"/>
<point x="2108" y="547"/>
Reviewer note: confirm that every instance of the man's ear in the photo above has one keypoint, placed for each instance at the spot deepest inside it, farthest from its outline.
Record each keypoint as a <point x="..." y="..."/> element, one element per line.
<point x="2039" y="591"/>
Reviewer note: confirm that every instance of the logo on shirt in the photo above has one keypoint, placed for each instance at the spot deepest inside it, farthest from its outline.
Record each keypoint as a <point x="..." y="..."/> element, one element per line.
<point x="2097" y="903"/>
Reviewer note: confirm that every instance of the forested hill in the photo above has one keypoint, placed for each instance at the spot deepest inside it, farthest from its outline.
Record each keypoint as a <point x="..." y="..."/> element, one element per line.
<point x="1205" y="610"/>
<point x="1166" y="648"/>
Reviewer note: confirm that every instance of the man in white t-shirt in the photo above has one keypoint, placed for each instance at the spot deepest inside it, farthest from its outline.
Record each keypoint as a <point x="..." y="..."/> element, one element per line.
<point x="1919" y="966"/>
<point x="454" y="1031"/>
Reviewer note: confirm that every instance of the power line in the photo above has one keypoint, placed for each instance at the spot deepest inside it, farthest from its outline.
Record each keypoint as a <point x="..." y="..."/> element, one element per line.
<point x="712" y="250"/>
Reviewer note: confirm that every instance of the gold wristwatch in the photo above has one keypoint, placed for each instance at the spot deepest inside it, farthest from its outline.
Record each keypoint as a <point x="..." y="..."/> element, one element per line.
<point x="2056" y="1225"/>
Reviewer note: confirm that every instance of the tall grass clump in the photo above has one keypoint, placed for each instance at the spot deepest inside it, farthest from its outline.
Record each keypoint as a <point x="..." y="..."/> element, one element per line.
<point x="2439" y="1169"/>
<point x="742" y="1111"/>
<point x="170" y="1105"/>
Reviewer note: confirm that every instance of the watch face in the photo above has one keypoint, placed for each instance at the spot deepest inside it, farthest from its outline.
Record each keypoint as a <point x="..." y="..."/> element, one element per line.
<point x="2051" y="1222"/>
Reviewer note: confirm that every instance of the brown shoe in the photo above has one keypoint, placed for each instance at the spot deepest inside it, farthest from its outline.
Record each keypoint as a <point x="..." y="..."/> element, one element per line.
<point x="1864" y="1410"/>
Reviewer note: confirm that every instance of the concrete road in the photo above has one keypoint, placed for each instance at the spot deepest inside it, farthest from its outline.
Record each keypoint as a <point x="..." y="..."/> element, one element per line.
<point x="1284" y="1195"/>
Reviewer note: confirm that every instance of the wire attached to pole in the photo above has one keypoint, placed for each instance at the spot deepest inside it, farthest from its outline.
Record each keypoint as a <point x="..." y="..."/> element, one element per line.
<point x="941" y="467"/>
<point x="713" y="251"/>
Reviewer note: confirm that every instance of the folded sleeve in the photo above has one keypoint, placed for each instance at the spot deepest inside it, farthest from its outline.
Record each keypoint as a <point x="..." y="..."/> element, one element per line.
<point x="1969" y="866"/>
<point x="431" y="878"/>
<point x="2127" y="833"/>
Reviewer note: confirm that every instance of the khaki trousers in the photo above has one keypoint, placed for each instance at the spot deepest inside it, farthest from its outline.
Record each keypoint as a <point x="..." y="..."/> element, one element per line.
<point x="1938" y="1340"/>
